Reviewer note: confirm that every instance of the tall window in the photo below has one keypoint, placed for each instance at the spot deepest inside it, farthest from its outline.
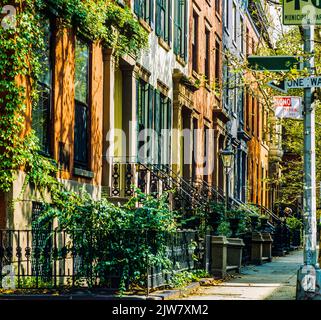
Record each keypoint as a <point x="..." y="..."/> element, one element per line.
<point x="195" y="42"/>
<point x="253" y="113"/>
<point x="164" y="19"/>
<point x="144" y="102"/>
<point x="41" y="112"/>
<point x="217" y="61"/>
<point x="180" y="28"/>
<point x="234" y="27"/>
<point x="226" y="14"/>
<point x="207" y="54"/>
<point x="218" y="6"/>
<point x="242" y="34"/>
<point x="247" y="41"/>
<point x="144" y="9"/>
<point x="162" y="126"/>
<point x="81" y="143"/>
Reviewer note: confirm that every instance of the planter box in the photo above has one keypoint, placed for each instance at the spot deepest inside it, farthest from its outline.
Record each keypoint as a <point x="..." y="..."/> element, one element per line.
<point x="267" y="247"/>
<point x="234" y="254"/>
<point x="257" y="248"/>
<point x="226" y="255"/>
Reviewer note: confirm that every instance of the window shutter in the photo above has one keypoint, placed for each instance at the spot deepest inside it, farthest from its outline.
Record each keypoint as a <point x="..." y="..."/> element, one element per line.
<point x="158" y="17"/>
<point x="151" y="13"/>
<point x="137" y="7"/>
<point x="185" y="23"/>
<point x="170" y="21"/>
<point x="169" y="127"/>
<point x="150" y="106"/>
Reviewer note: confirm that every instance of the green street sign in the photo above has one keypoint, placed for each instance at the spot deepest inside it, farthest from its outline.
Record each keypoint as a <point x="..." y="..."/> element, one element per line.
<point x="301" y="12"/>
<point x="274" y="63"/>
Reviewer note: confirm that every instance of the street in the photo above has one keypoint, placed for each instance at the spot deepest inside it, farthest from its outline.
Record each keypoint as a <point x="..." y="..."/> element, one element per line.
<point x="271" y="281"/>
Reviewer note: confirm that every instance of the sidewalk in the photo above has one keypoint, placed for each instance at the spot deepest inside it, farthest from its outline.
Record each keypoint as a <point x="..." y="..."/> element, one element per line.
<point x="271" y="281"/>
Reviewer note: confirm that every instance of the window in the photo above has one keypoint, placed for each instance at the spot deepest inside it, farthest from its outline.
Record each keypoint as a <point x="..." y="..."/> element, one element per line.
<point x="195" y="42"/>
<point x="253" y="113"/>
<point x="207" y="54"/>
<point x="217" y="61"/>
<point x="154" y="111"/>
<point x="180" y="28"/>
<point x="81" y="142"/>
<point x="234" y="27"/>
<point x="258" y="127"/>
<point x="144" y="9"/>
<point x="41" y="112"/>
<point x="162" y="127"/>
<point x="241" y="105"/>
<point x="164" y="19"/>
<point x="226" y="14"/>
<point x="247" y="107"/>
<point x="227" y="84"/>
<point x="144" y="102"/>
<point x="242" y="34"/>
<point x="218" y="6"/>
<point x="235" y="94"/>
<point x="247" y="41"/>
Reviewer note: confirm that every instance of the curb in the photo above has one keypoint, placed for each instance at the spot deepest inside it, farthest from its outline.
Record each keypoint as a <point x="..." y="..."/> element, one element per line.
<point x="174" y="294"/>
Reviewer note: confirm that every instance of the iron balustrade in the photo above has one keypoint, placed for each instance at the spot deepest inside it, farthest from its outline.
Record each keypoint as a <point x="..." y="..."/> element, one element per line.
<point x="75" y="259"/>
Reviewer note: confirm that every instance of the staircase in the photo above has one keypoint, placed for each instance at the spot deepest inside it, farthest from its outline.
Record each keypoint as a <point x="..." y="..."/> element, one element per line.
<point x="185" y="197"/>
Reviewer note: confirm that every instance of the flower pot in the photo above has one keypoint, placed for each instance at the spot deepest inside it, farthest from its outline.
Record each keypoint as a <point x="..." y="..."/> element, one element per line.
<point x="234" y="224"/>
<point x="264" y="223"/>
<point x="254" y="222"/>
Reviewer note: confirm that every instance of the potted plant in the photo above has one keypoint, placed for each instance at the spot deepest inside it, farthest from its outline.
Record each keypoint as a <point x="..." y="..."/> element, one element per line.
<point x="215" y="216"/>
<point x="234" y="217"/>
<point x="264" y="222"/>
<point x="254" y="221"/>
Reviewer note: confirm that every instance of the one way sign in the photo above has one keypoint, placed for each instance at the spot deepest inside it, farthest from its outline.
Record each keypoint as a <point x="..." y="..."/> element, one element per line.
<point x="300" y="83"/>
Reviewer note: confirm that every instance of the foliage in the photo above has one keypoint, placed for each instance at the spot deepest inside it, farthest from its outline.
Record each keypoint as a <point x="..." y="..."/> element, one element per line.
<point x="184" y="278"/>
<point x="294" y="223"/>
<point x="224" y="229"/>
<point x="112" y="239"/>
<point x="20" y="69"/>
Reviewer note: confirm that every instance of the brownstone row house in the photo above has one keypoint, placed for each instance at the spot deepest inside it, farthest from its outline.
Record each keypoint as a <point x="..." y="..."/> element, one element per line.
<point x="92" y="111"/>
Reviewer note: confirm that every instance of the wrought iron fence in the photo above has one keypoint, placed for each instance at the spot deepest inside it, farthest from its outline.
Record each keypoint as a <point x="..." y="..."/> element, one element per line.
<point x="61" y="259"/>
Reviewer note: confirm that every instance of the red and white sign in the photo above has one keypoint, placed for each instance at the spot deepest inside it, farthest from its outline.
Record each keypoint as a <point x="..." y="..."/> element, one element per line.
<point x="288" y="107"/>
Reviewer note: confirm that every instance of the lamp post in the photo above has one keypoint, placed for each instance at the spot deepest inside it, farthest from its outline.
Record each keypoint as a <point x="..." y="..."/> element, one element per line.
<point x="227" y="156"/>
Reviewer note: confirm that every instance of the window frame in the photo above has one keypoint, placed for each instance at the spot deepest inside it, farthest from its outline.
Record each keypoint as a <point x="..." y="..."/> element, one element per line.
<point x="87" y="105"/>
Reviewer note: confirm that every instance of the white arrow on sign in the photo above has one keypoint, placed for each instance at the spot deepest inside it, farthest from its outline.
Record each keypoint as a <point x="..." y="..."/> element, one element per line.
<point x="300" y="83"/>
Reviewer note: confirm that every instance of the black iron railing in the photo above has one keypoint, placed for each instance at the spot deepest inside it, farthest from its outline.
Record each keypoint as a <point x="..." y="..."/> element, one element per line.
<point x="76" y="259"/>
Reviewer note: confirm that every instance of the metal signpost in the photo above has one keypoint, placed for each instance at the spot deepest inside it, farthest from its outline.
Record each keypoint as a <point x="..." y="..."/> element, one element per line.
<point x="307" y="14"/>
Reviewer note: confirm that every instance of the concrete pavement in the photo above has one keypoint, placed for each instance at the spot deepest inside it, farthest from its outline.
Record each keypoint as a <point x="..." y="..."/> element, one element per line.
<point x="271" y="281"/>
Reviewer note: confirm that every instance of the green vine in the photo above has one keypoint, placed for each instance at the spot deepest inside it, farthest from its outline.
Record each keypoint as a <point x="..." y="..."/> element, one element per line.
<point x="98" y="21"/>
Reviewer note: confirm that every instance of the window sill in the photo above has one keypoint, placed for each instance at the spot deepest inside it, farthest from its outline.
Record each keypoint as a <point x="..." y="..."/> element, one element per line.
<point x="145" y="25"/>
<point x="83" y="173"/>
<point x="181" y="61"/>
<point x="164" y="44"/>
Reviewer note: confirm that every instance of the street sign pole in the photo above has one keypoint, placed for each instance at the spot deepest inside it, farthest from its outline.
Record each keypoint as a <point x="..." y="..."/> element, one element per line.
<point x="310" y="256"/>
<point x="309" y="273"/>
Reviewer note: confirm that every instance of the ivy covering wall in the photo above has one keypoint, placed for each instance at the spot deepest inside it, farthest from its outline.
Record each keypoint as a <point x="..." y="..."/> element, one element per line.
<point x="100" y="21"/>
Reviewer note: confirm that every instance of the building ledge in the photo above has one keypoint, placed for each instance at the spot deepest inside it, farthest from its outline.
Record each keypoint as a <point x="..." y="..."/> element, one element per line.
<point x="83" y="173"/>
<point x="221" y="114"/>
<point x="242" y="135"/>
